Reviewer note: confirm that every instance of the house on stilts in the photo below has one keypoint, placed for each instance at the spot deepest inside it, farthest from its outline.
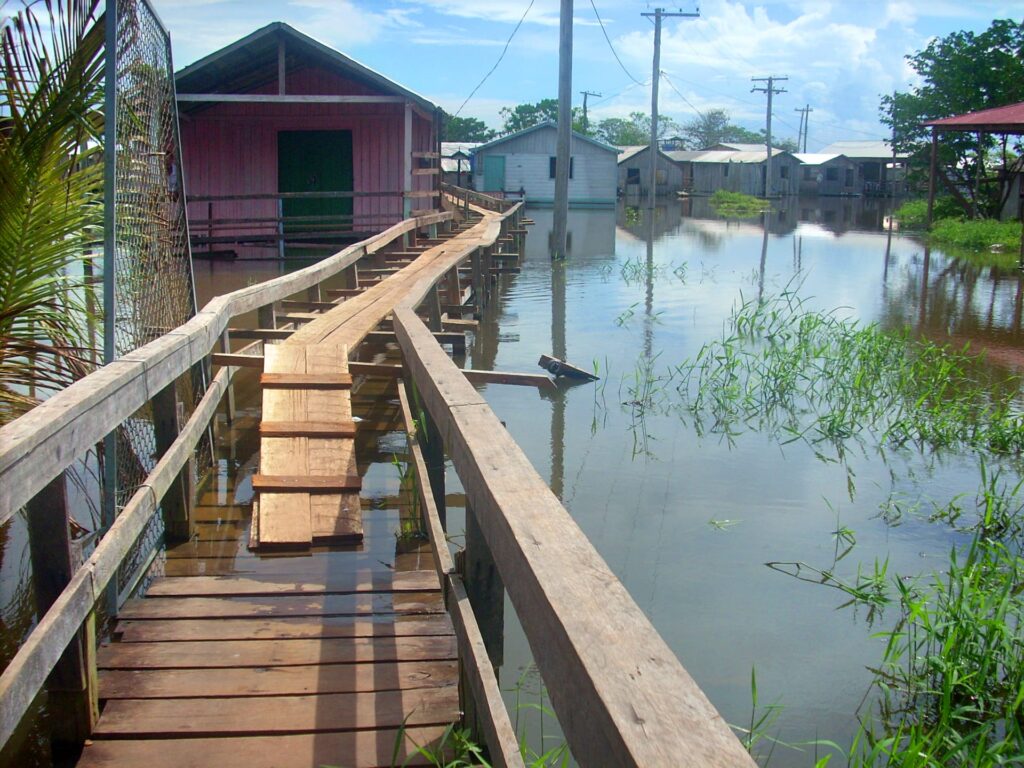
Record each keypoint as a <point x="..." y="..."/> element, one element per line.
<point x="289" y="145"/>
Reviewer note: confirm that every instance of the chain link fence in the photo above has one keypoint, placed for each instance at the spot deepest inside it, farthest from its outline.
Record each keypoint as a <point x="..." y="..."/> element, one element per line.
<point x="153" y="289"/>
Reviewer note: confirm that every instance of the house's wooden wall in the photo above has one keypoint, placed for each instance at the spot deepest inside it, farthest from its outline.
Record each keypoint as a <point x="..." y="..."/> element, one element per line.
<point x="231" y="149"/>
<point x="527" y="167"/>
<point x="642" y="162"/>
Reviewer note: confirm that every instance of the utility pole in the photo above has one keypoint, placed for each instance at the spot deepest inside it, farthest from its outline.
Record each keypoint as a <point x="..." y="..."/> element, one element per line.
<point x="771" y="90"/>
<point x="586" y="122"/>
<point x="659" y="14"/>
<point x="563" y="157"/>
<point x="803" y="126"/>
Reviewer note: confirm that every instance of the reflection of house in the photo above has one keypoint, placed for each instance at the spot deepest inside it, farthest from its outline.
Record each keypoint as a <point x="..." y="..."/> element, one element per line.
<point x="635" y="172"/>
<point x="824" y="174"/>
<point x="525" y="162"/>
<point x="279" y="113"/>
<point x="880" y="171"/>
<point x="457" y="162"/>
<point x="740" y="171"/>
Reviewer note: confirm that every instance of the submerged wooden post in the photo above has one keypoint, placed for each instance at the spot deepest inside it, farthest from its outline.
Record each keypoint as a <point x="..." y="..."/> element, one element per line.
<point x="485" y="589"/>
<point x="177" y="502"/>
<point x="225" y="346"/>
<point x="73" y="692"/>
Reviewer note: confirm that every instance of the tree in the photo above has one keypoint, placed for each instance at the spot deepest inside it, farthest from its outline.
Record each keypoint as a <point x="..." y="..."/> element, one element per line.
<point x="713" y="127"/>
<point x="634" y="130"/>
<point x="466" y="129"/>
<point x="962" y="72"/>
<point x="524" y="116"/>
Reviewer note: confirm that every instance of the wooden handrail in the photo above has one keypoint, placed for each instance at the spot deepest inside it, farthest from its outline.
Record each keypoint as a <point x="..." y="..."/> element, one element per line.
<point x="38" y="446"/>
<point x="621" y="696"/>
<point x="41" y="444"/>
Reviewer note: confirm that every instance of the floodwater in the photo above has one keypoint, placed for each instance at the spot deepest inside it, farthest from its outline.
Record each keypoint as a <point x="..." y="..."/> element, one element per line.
<point x="686" y="521"/>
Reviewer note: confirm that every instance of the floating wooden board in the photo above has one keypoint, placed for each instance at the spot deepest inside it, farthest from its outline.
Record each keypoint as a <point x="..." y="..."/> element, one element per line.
<point x="557" y="367"/>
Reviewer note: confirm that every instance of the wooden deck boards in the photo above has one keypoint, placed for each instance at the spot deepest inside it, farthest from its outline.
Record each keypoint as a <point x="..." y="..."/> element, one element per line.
<point x="316" y="648"/>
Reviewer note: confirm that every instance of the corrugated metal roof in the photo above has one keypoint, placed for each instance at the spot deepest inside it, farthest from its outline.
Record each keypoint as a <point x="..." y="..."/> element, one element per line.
<point x="1008" y="118"/>
<point x="730" y="156"/>
<point x="861" y="150"/>
<point x="252" y="61"/>
<point x="816" y="158"/>
<point x="741" y="147"/>
<point x="625" y="153"/>
<point x="539" y="126"/>
<point x="452" y="148"/>
<point x="685" y="155"/>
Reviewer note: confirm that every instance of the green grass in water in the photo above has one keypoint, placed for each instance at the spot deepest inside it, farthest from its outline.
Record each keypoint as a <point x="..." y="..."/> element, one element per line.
<point x="808" y="375"/>
<point x="737" y="204"/>
<point x="985" y="241"/>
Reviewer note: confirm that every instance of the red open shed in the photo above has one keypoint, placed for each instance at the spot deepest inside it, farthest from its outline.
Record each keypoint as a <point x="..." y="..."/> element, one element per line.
<point x="288" y="144"/>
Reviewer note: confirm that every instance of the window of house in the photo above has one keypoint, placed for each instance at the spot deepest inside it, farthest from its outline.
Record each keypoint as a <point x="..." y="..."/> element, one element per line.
<point x="808" y="174"/>
<point x="725" y="172"/>
<point x="783" y="171"/>
<point x="832" y="174"/>
<point x="660" y="177"/>
<point x="632" y="175"/>
<point x="552" y="161"/>
<point x="849" y="177"/>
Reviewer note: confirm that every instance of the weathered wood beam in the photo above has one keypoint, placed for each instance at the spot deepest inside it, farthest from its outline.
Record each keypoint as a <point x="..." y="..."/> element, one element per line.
<point x="277" y="98"/>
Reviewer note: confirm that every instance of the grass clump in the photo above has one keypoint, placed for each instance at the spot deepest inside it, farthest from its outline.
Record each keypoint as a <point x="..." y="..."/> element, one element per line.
<point x="951" y="228"/>
<point x="808" y="375"/>
<point x="737" y="204"/>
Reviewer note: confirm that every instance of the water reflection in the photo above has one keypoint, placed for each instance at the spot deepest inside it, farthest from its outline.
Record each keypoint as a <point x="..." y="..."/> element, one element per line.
<point x="656" y="286"/>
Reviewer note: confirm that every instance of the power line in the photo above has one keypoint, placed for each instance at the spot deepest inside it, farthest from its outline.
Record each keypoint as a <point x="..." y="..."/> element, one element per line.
<point x="502" y="56"/>
<point x="680" y="95"/>
<point x="612" y="47"/>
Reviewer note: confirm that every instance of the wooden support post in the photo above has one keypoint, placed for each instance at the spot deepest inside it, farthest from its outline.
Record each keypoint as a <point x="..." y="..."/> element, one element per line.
<point x="485" y="589"/>
<point x="225" y="347"/>
<point x="177" y="502"/>
<point x="434" y="309"/>
<point x="454" y="287"/>
<point x="313" y="293"/>
<point x="478" y="282"/>
<point x="73" y="692"/>
<point x="488" y="275"/>
<point x="932" y="169"/>
<point x="350" y="277"/>
<point x="266" y="316"/>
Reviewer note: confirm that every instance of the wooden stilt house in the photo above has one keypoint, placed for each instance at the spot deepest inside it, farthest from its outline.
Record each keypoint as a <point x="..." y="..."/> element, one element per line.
<point x="289" y="145"/>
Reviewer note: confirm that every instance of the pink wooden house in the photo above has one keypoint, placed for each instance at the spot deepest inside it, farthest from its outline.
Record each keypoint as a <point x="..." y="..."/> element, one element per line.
<point x="290" y="145"/>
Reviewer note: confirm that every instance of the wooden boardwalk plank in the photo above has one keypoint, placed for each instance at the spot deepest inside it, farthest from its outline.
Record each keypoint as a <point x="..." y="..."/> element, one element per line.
<point x="275" y="681"/>
<point x="187" y="654"/>
<point x="281" y="628"/>
<point x="158" y="718"/>
<point x="281" y="605"/>
<point x="352" y="581"/>
<point x="352" y="749"/>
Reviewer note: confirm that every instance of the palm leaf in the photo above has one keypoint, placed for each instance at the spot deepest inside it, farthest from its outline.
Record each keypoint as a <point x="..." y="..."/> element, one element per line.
<point x="51" y="205"/>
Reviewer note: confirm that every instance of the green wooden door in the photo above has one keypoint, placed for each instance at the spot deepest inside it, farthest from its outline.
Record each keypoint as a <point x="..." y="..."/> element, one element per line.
<point x="315" y="161"/>
<point x="494" y="173"/>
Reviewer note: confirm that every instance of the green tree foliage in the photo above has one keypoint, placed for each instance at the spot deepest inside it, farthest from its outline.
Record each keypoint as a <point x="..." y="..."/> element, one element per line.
<point x="634" y="130"/>
<point x="962" y="72"/>
<point x="466" y="129"/>
<point x="524" y="116"/>
<point x="50" y="195"/>
<point x="713" y="127"/>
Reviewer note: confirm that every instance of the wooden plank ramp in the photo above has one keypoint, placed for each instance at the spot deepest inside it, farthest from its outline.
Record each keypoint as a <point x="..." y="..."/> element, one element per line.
<point x="326" y="643"/>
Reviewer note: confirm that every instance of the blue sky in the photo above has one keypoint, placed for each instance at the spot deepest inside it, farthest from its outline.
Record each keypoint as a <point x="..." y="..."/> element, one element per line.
<point x="839" y="55"/>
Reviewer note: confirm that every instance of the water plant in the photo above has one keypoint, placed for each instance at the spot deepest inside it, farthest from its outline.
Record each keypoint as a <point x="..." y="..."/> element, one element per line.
<point x="737" y="204"/>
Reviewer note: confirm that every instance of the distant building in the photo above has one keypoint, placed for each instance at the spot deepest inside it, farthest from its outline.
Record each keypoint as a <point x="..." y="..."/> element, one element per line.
<point x="457" y="162"/>
<point x="743" y="171"/>
<point x="745" y="147"/>
<point x="635" y="172"/>
<point x="684" y="159"/>
<point x="827" y="175"/>
<point x="880" y="170"/>
<point x="285" y="137"/>
<point x="524" y="162"/>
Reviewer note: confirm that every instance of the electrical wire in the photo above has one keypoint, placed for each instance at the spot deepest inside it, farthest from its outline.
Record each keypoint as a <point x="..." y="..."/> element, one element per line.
<point x="671" y="85"/>
<point x="502" y="56"/>
<point x="612" y="47"/>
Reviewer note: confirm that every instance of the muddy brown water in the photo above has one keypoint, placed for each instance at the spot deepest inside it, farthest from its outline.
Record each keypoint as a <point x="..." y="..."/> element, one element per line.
<point x="686" y="521"/>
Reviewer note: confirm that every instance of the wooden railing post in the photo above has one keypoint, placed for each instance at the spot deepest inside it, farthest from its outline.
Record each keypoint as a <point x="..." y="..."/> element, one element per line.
<point x="266" y="316"/>
<point x="225" y="346"/>
<point x="434" y="309"/>
<point x="177" y="502"/>
<point x="485" y="589"/>
<point x="73" y="700"/>
<point x="478" y="283"/>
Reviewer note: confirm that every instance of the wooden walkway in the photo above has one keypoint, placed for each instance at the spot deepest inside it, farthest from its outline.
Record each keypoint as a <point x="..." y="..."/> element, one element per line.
<point x="242" y="654"/>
